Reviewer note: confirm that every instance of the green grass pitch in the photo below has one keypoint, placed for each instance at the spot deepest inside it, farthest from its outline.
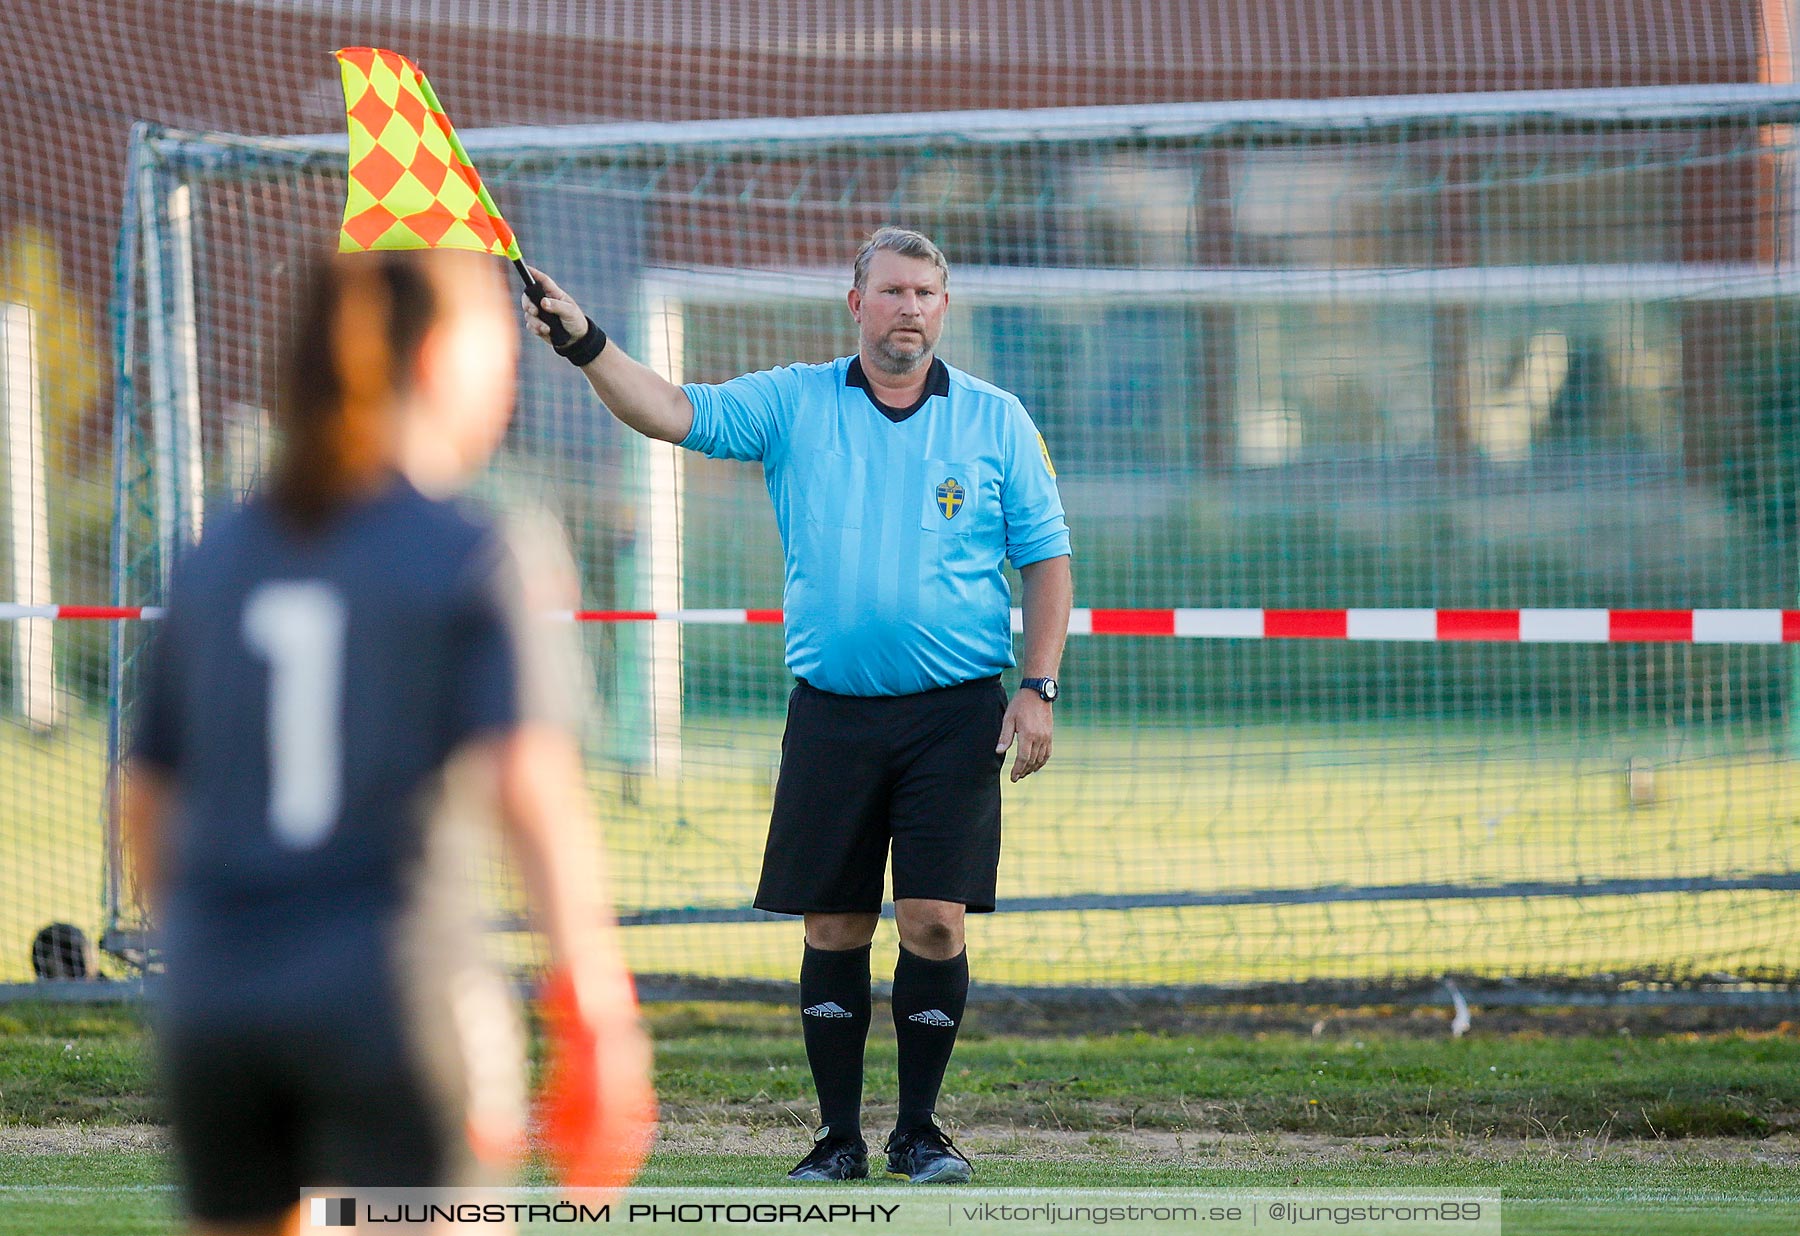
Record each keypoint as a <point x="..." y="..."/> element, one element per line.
<point x="1676" y="1135"/>
<point x="1661" y="1132"/>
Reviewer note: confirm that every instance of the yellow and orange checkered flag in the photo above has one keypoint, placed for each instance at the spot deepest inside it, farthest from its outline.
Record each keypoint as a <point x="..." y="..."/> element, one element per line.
<point x="412" y="185"/>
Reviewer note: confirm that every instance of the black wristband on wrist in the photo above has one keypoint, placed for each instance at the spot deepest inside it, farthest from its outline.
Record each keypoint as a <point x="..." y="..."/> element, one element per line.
<point x="580" y="351"/>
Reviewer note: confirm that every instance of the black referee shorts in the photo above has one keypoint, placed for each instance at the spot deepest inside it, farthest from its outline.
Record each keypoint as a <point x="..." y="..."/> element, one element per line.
<point x="857" y="772"/>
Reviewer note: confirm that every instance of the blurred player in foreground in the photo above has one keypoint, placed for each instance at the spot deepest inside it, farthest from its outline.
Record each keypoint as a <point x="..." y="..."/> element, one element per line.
<point x="348" y="678"/>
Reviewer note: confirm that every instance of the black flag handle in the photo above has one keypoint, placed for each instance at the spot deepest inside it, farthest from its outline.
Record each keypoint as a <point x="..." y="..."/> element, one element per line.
<point x="559" y="334"/>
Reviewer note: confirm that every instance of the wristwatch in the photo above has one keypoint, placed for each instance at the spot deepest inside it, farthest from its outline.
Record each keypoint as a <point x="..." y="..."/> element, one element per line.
<point x="1045" y="687"/>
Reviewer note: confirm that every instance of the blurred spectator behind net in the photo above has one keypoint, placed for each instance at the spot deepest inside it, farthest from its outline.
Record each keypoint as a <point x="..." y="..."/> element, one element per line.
<point x="351" y="673"/>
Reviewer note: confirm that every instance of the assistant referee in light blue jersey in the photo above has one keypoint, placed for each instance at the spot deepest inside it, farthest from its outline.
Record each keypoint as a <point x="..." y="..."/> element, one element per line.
<point x="900" y="486"/>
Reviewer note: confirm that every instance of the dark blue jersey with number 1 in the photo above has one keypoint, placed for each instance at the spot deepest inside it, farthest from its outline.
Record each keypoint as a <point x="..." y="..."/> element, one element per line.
<point x="304" y="695"/>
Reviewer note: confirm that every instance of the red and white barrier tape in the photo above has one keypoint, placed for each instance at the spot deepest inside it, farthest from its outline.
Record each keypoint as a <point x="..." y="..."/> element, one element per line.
<point x="79" y="613"/>
<point x="1513" y="626"/>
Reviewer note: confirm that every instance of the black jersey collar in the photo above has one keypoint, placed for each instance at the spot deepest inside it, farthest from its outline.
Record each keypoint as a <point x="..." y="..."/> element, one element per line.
<point x="937" y="382"/>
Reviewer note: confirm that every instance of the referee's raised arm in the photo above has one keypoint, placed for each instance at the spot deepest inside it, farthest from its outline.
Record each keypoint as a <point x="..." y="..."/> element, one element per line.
<point x="633" y="392"/>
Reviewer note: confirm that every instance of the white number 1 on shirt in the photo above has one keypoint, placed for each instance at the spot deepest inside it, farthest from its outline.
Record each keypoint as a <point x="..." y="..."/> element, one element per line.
<point x="298" y="628"/>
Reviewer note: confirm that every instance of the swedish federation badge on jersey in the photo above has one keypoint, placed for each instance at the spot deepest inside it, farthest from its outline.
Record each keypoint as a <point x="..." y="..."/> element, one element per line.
<point x="950" y="496"/>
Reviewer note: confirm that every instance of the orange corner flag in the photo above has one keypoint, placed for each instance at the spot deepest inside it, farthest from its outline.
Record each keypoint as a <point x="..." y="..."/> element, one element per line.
<point x="411" y="183"/>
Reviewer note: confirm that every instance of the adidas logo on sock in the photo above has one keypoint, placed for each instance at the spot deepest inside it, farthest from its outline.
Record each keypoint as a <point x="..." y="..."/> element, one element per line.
<point x="831" y="1008"/>
<point x="932" y="1017"/>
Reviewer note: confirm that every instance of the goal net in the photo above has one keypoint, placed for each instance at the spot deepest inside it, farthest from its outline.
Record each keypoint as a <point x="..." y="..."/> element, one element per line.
<point x="1380" y="424"/>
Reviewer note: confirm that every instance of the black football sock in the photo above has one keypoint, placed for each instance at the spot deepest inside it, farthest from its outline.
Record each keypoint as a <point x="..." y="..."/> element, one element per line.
<point x="834" y="1014"/>
<point x="928" y="1007"/>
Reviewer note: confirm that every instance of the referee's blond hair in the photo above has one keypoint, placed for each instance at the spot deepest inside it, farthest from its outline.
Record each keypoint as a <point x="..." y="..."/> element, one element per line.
<point x="905" y="242"/>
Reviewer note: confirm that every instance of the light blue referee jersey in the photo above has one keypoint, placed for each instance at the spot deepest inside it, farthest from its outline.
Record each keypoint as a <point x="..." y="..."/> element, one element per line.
<point x="894" y="530"/>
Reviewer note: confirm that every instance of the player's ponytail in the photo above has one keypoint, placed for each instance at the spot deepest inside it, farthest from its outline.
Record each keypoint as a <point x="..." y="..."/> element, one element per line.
<point x="355" y="343"/>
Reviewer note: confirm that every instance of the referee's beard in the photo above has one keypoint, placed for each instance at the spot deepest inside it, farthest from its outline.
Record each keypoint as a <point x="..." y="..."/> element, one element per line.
<point x="897" y="359"/>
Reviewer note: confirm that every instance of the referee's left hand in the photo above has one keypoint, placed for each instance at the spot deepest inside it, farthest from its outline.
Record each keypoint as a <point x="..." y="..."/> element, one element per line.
<point x="1028" y="718"/>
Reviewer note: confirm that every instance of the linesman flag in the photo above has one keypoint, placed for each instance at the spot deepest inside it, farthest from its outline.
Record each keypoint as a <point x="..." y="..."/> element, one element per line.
<point x="412" y="185"/>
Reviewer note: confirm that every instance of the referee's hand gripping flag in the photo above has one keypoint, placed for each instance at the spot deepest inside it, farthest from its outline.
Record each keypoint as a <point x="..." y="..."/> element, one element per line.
<point x="554" y="308"/>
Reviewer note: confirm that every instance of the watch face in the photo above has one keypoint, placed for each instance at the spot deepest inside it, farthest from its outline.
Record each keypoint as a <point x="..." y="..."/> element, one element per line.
<point x="1048" y="690"/>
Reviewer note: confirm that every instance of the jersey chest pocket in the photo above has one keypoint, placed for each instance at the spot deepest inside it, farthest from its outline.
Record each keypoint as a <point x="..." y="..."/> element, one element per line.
<point x="953" y="501"/>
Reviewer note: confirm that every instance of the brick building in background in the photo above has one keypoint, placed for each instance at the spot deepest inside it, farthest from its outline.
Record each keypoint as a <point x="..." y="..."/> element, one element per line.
<point x="82" y="74"/>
